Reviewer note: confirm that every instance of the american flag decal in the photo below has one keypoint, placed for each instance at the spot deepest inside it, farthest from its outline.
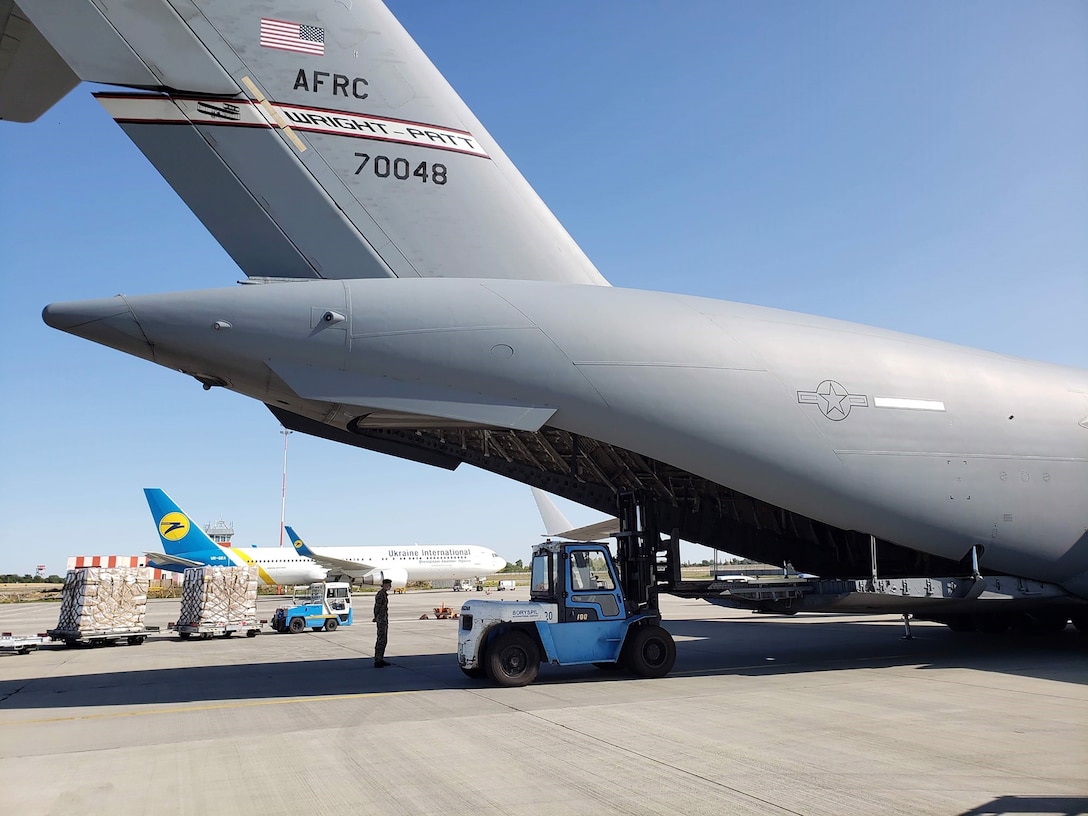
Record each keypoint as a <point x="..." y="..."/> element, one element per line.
<point x="299" y="37"/>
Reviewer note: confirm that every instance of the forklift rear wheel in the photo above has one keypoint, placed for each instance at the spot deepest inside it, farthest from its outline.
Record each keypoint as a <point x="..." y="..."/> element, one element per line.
<point x="651" y="652"/>
<point x="297" y="625"/>
<point x="331" y="624"/>
<point x="513" y="659"/>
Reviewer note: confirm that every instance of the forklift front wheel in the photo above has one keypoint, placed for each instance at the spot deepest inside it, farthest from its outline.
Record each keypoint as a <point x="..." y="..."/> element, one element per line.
<point x="297" y="625"/>
<point x="651" y="652"/>
<point x="513" y="659"/>
<point x="331" y="624"/>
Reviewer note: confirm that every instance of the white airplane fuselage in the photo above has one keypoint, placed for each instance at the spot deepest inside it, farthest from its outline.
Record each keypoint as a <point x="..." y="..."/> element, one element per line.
<point x="275" y="565"/>
<point x="282" y="565"/>
<point x="420" y="563"/>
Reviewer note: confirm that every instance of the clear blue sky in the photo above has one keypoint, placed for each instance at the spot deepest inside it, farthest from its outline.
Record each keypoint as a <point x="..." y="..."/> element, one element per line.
<point x="921" y="166"/>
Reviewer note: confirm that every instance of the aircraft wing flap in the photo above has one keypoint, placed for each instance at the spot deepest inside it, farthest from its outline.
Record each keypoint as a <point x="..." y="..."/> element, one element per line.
<point x="340" y="564"/>
<point x="384" y="394"/>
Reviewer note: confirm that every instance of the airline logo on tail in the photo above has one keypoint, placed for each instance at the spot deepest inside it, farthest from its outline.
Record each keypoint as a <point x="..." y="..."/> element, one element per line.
<point x="174" y="526"/>
<point x="298" y="543"/>
<point x="185" y="543"/>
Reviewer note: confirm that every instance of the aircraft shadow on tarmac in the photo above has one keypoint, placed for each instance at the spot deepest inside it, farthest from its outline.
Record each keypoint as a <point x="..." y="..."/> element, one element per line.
<point x="705" y="649"/>
<point x="770" y="645"/>
<point x="1058" y="805"/>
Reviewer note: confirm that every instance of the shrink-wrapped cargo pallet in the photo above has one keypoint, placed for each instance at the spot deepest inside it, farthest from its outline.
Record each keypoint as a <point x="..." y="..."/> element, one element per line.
<point x="217" y="596"/>
<point x="103" y="600"/>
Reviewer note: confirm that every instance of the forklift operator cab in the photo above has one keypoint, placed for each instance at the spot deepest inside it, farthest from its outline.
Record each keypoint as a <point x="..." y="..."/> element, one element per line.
<point x="583" y="579"/>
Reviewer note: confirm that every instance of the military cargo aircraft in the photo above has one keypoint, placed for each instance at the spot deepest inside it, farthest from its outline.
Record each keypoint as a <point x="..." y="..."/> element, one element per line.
<point x="409" y="293"/>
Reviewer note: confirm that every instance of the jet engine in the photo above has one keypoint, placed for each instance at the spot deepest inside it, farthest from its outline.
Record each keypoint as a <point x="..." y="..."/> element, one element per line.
<point x="398" y="575"/>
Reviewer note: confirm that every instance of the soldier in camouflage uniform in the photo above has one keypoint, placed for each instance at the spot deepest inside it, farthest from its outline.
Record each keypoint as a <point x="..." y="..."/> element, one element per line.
<point x="381" y="617"/>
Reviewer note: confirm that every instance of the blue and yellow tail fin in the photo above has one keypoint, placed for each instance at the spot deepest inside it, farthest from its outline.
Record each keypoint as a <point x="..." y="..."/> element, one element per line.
<point x="180" y="537"/>
<point x="297" y="542"/>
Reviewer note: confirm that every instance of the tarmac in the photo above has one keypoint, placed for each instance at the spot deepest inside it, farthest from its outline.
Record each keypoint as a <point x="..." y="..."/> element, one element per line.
<point x="811" y="714"/>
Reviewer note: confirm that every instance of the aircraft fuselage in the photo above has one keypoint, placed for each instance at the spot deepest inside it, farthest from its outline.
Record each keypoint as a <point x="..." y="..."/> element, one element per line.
<point x="925" y="444"/>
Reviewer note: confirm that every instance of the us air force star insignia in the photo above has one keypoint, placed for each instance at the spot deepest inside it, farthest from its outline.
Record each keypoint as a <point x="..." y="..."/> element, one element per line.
<point x="834" y="400"/>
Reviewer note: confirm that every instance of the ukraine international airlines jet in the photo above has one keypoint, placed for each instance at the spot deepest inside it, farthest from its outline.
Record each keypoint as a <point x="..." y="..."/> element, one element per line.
<point x="439" y="312"/>
<point x="186" y="545"/>
<point x="370" y="565"/>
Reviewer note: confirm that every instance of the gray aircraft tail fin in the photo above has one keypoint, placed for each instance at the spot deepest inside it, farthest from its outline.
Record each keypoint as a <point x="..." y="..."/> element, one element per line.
<point x="555" y="523"/>
<point x="314" y="140"/>
<point x="557" y="526"/>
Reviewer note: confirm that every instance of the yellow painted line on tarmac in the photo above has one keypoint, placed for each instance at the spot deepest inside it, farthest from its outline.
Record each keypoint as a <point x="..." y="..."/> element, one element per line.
<point x="326" y="698"/>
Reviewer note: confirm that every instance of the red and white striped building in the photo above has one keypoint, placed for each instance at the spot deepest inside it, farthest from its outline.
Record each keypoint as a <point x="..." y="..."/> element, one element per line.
<point x="136" y="561"/>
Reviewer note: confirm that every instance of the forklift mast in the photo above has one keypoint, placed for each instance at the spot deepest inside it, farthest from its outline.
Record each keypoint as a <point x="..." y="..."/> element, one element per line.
<point x="647" y="564"/>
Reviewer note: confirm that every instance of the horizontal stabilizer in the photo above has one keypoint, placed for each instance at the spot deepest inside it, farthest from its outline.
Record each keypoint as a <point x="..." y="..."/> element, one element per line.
<point x="384" y="394"/>
<point x="162" y="560"/>
<point x="593" y="532"/>
<point x="33" y="77"/>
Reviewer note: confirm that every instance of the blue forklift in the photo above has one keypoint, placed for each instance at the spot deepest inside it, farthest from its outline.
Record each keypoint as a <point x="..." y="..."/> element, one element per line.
<point x="578" y="613"/>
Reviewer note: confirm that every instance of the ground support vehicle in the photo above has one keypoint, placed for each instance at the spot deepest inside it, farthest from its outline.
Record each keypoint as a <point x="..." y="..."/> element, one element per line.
<point x="578" y="613"/>
<point x="133" y="636"/>
<point x="328" y="607"/>
<point x="204" y="631"/>
<point x="19" y="644"/>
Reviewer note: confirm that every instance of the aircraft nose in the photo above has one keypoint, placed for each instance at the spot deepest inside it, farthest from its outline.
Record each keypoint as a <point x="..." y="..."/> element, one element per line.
<point x="109" y="321"/>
